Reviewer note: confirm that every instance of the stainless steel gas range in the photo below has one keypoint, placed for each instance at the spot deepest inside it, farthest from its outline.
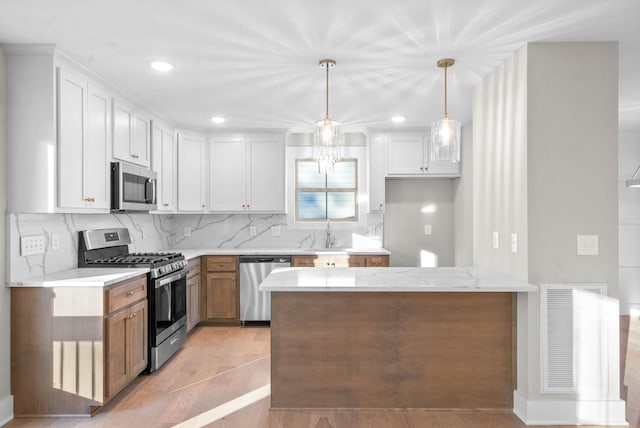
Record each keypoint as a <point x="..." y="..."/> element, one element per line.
<point x="167" y="286"/>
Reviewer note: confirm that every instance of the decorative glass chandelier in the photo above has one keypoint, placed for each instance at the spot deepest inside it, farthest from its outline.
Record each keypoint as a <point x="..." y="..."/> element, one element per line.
<point x="326" y="149"/>
<point x="445" y="133"/>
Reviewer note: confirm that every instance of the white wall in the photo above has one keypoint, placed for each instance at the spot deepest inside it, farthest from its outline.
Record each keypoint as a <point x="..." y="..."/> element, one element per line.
<point x="629" y="223"/>
<point x="463" y="202"/>
<point x="6" y="402"/>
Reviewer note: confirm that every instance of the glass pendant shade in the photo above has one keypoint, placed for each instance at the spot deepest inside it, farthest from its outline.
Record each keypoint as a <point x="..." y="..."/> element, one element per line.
<point x="445" y="140"/>
<point x="326" y="136"/>
<point x="326" y="147"/>
<point x="445" y="133"/>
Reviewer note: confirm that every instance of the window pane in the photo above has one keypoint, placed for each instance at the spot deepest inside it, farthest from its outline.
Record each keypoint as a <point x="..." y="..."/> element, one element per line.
<point x="308" y="175"/>
<point x="341" y="205"/>
<point x="343" y="175"/>
<point x="312" y="205"/>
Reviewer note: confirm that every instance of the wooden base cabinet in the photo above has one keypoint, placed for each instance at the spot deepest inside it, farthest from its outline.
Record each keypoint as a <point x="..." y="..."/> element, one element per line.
<point x="74" y="348"/>
<point x="340" y="260"/>
<point x="193" y="294"/>
<point x="220" y="298"/>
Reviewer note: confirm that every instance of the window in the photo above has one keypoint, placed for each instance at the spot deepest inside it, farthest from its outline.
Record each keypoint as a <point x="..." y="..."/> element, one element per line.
<point x="331" y="196"/>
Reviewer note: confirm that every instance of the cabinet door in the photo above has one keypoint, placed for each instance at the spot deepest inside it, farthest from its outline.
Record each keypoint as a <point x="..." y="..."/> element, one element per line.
<point x="117" y="366"/>
<point x="122" y="126"/>
<point x="222" y="296"/>
<point x="444" y="168"/>
<point x="193" y="302"/>
<point x="96" y="153"/>
<point x="405" y="154"/>
<point x="266" y="165"/>
<point x="228" y="184"/>
<point x="137" y="338"/>
<point x="140" y="140"/>
<point x="377" y="148"/>
<point x="72" y="108"/>
<point x="164" y="164"/>
<point x="357" y="261"/>
<point x="192" y="172"/>
<point x="377" y="261"/>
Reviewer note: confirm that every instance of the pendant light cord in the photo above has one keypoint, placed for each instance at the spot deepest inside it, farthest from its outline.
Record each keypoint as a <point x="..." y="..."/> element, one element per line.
<point x="445" y="92"/>
<point x="327" y="113"/>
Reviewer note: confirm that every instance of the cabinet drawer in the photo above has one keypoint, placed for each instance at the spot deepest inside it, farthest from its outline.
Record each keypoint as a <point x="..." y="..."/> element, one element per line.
<point x="378" y="261"/>
<point x="124" y="294"/>
<point x="222" y="264"/>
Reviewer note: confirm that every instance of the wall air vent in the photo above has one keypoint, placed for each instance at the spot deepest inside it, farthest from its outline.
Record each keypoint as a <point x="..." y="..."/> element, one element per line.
<point x="573" y="337"/>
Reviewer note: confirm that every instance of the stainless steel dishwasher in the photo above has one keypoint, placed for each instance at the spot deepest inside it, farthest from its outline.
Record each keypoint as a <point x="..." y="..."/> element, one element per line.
<point x="255" y="306"/>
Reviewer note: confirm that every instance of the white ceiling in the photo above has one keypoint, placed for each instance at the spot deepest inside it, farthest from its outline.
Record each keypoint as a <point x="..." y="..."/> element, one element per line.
<point x="255" y="62"/>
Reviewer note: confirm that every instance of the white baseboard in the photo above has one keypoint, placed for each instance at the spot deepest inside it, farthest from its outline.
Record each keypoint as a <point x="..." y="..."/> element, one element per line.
<point x="6" y="409"/>
<point x="567" y="412"/>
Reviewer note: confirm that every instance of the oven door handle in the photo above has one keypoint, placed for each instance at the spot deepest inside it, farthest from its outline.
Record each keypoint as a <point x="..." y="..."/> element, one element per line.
<point x="168" y="279"/>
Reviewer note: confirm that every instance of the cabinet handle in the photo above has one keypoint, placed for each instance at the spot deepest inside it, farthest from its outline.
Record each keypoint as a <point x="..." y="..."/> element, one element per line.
<point x="135" y="156"/>
<point x="165" y="205"/>
<point x="133" y="315"/>
<point x="90" y="199"/>
<point x="381" y="205"/>
<point x="233" y="278"/>
<point x="333" y="264"/>
<point x="130" y="293"/>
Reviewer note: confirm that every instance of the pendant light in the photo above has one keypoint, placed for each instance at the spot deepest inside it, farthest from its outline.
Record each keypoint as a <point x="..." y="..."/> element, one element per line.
<point x="326" y="150"/>
<point x="445" y="133"/>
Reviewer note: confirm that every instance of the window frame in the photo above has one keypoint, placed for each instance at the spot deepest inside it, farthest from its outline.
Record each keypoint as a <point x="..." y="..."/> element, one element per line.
<point x="326" y="190"/>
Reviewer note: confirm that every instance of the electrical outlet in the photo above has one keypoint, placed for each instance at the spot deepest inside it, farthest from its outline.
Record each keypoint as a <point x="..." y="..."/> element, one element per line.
<point x="187" y="231"/>
<point x="427" y="229"/>
<point x="514" y="242"/>
<point x="253" y="231"/>
<point x="276" y="231"/>
<point x="30" y="245"/>
<point x="496" y="241"/>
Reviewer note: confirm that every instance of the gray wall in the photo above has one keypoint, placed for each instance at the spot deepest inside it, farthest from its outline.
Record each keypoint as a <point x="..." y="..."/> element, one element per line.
<point x="463" y="202"/>
<point x="410" y="205"/>
<point x="545" y="167"/>
<point x="6" y="405"/>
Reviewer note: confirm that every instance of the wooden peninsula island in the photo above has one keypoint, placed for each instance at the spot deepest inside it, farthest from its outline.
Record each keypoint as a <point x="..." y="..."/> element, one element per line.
<point x="392" y="338"/>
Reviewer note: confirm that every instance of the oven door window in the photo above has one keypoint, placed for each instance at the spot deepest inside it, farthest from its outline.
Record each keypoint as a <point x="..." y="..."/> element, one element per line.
<point x="170" y="303"/>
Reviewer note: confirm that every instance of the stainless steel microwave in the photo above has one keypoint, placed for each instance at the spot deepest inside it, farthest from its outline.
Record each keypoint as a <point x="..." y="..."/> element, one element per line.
<point x="133" y="188"/>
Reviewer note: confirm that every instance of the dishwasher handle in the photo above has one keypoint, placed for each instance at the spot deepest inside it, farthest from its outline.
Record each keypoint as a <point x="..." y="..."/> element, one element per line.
<point x="264" y="259"/>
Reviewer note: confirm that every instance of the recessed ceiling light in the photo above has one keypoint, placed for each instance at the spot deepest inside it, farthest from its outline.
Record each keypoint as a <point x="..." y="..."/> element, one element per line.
<point x="218" y="120"/>
<point x="398" y="119"/>
<point x="161" y="66"/>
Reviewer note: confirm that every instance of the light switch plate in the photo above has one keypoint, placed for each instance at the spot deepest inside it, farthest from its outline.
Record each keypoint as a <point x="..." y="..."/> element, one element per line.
<point x="588" y="245"/>
<point x="514" y="242"/>
<point x="187" y="231"/>
<point x="30" y="245"/>
<point x="427" y="229"/>
<point x="253" y="231"/>
<point x="496" y="241"/>
<point x="276" y="231"/>
<point x="55" y="241"/>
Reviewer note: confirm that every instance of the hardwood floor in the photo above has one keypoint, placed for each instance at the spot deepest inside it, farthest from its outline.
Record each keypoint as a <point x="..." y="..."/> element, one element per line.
<point x="220" y="379"/>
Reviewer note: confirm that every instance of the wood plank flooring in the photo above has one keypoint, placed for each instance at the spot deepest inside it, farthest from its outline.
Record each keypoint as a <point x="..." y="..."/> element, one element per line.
<point x="220" y="379"/>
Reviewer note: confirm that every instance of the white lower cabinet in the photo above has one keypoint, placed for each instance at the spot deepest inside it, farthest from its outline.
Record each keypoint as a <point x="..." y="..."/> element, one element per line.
<point x="247" y="173"/>
<point x="192" y="172"/>
<point x="84" y="134"/>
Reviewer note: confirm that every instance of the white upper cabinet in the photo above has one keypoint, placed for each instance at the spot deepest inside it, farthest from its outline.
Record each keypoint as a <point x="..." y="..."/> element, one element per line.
<point x="84" y="123"/>
<point x="377" y="152"/>
<point x="192" y="172"/>
<point x="247" y="173"/>
<point x="131" y="134"/>
<point x="164" y="163"/>
<point x="408" y="155"/>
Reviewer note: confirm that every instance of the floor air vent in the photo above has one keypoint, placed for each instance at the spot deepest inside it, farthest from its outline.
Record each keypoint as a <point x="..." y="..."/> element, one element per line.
<point x="573" y="328"/>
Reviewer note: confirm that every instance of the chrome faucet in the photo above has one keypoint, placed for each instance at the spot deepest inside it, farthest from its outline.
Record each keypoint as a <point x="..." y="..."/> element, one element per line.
<point x="330" y="238"/>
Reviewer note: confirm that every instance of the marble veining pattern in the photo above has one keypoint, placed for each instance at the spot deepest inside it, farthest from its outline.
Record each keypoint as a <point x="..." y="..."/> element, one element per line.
<point x="156" y="232"/>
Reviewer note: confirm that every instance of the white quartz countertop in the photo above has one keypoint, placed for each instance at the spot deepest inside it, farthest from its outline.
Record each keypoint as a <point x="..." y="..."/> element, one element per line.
<point x="84" y="277"/>
<point x="197" y="252"/>
<point x="455" y="279"/>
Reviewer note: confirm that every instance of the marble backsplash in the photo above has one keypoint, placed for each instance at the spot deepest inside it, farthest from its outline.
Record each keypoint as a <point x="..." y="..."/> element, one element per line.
<point x="155" y="232"/>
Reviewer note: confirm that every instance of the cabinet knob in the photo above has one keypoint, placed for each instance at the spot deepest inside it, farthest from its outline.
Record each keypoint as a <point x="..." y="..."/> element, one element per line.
<point x="166" y="205"/>
<point x="244" y="206"/>
<point x="133" y="315"/>
<point x="421" y="168"/>
<point x="221" y="264"/>
<point x="381" y="205"/>
<point x="202" y="205"/>
<point x="130" y="293"/>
